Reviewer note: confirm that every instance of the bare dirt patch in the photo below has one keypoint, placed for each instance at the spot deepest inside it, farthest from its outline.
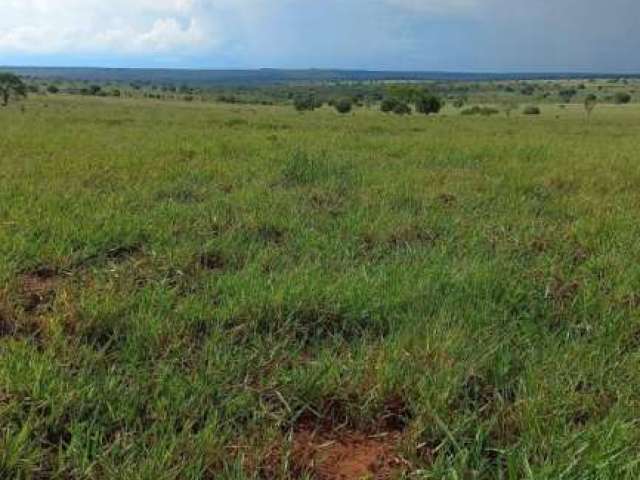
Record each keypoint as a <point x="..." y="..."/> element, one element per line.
<point x="347" y="455"/>
<point x="332" y="448"/>
<point x="38" y="288"/>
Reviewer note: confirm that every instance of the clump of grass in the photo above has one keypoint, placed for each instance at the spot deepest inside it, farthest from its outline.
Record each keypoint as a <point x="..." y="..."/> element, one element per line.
<point x="304" y="168"/>
<point x="480" y="110"/>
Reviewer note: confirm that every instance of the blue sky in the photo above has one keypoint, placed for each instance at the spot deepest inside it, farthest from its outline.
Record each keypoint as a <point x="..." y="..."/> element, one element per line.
<point x="470" y="35"/>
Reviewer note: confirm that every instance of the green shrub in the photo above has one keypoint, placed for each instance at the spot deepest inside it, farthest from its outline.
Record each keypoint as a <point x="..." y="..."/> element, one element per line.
<point x="567" y="94"/>
<point x="306" y="103"/>
<point x="388" y="105"/>
<point x="343" y="105"/>
<point x="531" y="110"/>
<point x="622" y="98"/>
<point x="402" y="108"/>
<point x="478" y="110"/>
<point x="428" y="104"/>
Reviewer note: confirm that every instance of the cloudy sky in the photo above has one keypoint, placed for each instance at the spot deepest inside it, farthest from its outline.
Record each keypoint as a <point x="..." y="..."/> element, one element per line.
<point x="472" y="35"/>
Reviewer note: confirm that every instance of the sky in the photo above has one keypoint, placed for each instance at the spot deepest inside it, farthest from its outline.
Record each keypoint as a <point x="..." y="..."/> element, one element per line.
<point x="451" y="35"/>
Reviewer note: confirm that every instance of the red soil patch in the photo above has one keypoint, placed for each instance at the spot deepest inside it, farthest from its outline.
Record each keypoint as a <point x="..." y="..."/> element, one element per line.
<point x="347" y="455"/>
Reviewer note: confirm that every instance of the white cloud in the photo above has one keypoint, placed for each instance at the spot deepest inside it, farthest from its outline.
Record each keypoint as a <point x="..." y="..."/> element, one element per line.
<point x="129" y="27"/>
<point x="115" y="26"/>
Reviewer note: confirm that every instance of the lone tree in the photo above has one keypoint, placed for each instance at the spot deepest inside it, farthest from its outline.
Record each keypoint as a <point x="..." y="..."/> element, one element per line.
<point x="11" y="86"/>
<point x="343" y="105"/>
<point x="590" y="103"/>
<point x="428" y="104"/>
<point x="622" y="98"/>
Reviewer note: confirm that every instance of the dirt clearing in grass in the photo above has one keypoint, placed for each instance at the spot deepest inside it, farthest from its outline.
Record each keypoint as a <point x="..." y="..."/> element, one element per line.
<point x="38" y="287"/>
<point x="347" y="455"/>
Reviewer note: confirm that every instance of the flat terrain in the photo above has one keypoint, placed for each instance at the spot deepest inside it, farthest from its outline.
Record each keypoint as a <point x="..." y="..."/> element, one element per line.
<point x="200" y="291"/>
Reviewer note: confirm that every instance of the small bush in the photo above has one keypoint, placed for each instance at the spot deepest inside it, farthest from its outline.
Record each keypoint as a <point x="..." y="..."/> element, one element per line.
<point x="477" y="110"/>
<point x="402" y="108"/>
<point x="622" y="98"/>
<point x="343" y="105"/>
<point x="528" y="90"/>
<point x="306" y="103"/>
<point x="532" y="110"/>
<point x="388" y="105"/>
<point x="428" y="104"/>
<point x="567" y="94"/>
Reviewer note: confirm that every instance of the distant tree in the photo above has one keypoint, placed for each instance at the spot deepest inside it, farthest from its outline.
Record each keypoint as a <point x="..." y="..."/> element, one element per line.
<point x="590" y="103"/>
<point x="402" y="108"/>
<point x="567" y="94"/>
<point x="95" y="89"/>
<point x="388" y="104"/>
<point x="622" y="98"/>
<point x="528" y="90"/>
<point x="344" y="105"/>
<point x="305" y="102"/>
<point x="532" y="110"/>
<point x="11" y="87"/>
<point x="428" y="104"/>
<point x="407" y="93"/>
<point x="53" y="89"/>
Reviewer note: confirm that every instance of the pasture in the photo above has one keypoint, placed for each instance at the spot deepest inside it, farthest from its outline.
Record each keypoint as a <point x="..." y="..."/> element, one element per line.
<point x="195" y="291"/>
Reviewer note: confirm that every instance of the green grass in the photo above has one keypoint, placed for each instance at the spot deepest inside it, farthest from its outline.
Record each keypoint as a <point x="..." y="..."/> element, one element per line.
<point x="182" y="284"/>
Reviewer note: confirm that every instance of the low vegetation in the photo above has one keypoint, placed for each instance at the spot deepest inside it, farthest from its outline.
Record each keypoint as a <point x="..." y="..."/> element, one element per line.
<point x="194" y="290"/>
<point x="478" y="110"/>
<point x="531" y="110"/>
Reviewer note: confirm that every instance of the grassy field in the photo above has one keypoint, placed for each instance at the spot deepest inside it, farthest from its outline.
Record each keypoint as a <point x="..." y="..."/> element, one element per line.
<point x="193" y="291"/>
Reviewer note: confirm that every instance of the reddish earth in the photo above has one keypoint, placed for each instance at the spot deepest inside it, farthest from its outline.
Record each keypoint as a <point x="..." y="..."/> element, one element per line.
<point x="347" y="455"/>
